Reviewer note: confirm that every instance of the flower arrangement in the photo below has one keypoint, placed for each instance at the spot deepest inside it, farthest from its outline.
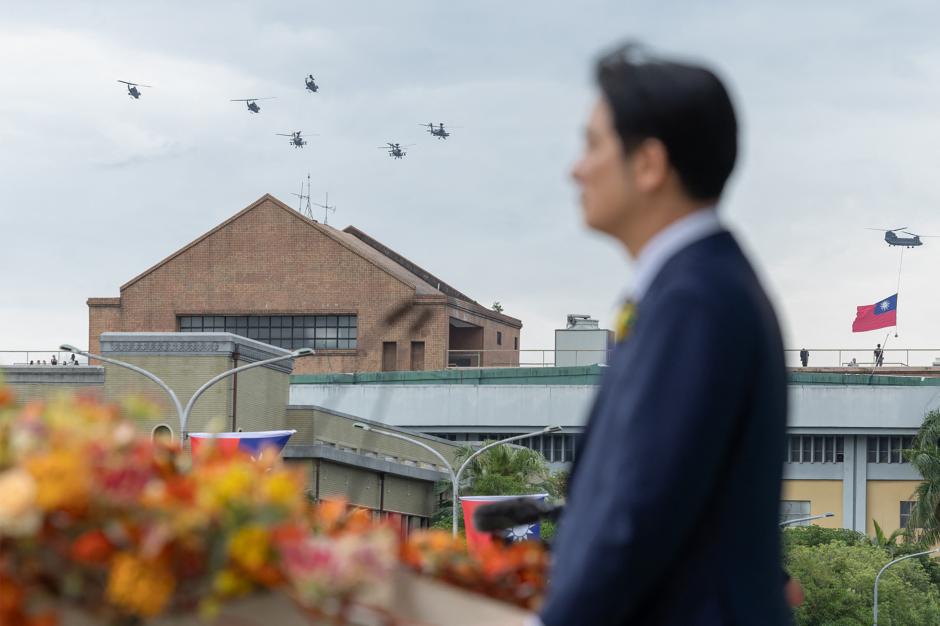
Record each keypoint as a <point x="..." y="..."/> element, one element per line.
<point x="95" y="514"/>
<point x="514" y="573"/>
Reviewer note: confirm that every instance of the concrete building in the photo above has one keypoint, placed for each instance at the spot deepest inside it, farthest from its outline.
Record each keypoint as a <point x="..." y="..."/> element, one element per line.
<point x="271" y="274"/>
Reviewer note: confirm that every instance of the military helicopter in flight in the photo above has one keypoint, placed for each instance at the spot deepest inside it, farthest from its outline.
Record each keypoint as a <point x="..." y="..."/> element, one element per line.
<point x="252" y="103"/>
<point x="132" y="90"/>
<point x="311" y="84"/>
<point x="438" y="132"/>
<point x="396" y="151"/>
<point x="295" y="138"/>
<point x="892" y="238"/>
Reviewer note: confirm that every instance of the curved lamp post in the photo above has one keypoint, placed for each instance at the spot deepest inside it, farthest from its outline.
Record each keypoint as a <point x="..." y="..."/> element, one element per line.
<point x="455" y="476"/>
<point x="183" y="412"/>
<point x="806" y="519"/>
<point x="881" y="571"/>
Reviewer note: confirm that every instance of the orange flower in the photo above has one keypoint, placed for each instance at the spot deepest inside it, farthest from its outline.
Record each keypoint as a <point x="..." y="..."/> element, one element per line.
<point x="139" y="587"/>
<point x="63" y="479"/>
<point x="92" y="548"/>
<point x="6" y="397"/>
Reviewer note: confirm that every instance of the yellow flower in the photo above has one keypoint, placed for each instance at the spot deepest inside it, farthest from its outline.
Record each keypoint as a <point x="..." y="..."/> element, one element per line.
<point x="62" y="477"/>
<point x="19" y="506"/>
<point x="229" y="583"/>
<point x="233" y="483"/>
<point x="283" y="489"/>
<point x="249" y="547"/>
<point x="139" y="587"/>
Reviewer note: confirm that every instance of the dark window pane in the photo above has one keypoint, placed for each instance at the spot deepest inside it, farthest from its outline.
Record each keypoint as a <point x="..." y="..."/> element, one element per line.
<point x="840" y="449"/>
<point x="185" y="322"/>
<point x="343" y="320"/>
<point x="218" y="321"/>
<point x="343" y="333"/>
<point x="320" y="344"/>
<point x="264" y="320"/>
<point x="895" y="449"/>
<point x="872" y="449"/>
<point x="331" y="333"/>
<point x="331" y="321"/>
<point x="558" y="445"/>
<point x="275" y="321"/>
<point x="298" y="321"/>
<point x="353" y="320"/>
<point x="569" y="447"/>
<point x="264" y="333"/>
<point x="309" y="333"/>
<point x="253" y="321"/>
<point x="807" y="451"/>
<point x="321" y="321"/>
<point x="817" y="449"/>
<point x="884" y="453"/>
<point x="298" y="332"/>
<point x="252" y="333"/>
<point x="310" y="320"/>
<point x="352" y="343"/>
<point x="829" y="452"/>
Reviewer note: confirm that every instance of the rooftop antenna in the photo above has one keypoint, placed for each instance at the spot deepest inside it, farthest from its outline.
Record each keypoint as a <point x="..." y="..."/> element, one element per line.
<point x="325" y="206"/>
<point x="307" y="211"/>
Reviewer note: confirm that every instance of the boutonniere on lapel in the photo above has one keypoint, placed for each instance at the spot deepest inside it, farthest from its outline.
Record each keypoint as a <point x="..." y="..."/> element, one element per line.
<point x="626" y="320"/>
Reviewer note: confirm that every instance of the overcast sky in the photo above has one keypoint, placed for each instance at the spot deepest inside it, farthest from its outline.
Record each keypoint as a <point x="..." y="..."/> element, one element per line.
<point x="840" y="131"/>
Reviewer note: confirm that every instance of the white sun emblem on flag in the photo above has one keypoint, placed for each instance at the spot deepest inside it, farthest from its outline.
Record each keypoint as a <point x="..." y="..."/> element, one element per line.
<point x="520" y="533"/>
<point x="884" y="305"/>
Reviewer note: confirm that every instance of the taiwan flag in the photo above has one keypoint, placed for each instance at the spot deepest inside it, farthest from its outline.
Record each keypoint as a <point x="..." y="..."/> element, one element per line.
<point x="477" y="540"/>
<point x="250" y="443"/>
<point x="878" y="315"/>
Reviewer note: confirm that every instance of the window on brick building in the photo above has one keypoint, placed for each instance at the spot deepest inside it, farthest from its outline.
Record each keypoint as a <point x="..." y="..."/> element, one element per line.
<point x="323" y="332"/>
<point x="815" y="449"/>
<point x="389" y="356"/>
<point x="515" y="343"/>
<point x="417" y="356"/>
<point x="906" y="508"/>
<point x="499" y="338"/>
<point x="795" y="509"/>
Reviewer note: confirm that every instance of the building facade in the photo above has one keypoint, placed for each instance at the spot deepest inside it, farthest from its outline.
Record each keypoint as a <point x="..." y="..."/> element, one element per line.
<point x="271" y="274"/>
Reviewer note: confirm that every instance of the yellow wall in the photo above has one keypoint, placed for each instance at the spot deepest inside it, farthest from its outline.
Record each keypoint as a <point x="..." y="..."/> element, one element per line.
<point x="884" y="502"/>
<point x="825" y="496"/>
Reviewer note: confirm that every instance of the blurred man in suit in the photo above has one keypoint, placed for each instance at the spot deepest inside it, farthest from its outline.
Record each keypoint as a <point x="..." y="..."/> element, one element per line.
<point x="673" y="505"/>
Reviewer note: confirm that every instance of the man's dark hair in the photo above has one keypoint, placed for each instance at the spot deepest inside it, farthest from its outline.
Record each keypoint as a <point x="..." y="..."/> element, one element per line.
<point x="684" y="106"/>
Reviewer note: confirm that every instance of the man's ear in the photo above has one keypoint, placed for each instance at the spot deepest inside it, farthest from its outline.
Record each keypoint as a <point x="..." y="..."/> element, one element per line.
<point x="650" y="164"/>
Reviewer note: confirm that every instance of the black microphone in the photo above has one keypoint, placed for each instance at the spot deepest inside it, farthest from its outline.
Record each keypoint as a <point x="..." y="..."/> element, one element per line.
<point x="498" y="516"/>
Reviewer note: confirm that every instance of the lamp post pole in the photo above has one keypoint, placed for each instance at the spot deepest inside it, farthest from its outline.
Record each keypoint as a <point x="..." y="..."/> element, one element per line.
<point x="881" y="571"/>
<point x="181" y="411"/>
<point x="806" y="519"/>
<point x="455" y="476"/>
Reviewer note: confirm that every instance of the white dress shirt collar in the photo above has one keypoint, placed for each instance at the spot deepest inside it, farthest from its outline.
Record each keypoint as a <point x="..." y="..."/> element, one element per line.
<point x="667" y="243"/>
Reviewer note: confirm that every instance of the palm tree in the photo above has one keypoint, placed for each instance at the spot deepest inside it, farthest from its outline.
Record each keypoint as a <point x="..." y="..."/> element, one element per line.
<point x="503" y="470"/>
<point x="888" y="542"/>
<point x="924" y="521"/>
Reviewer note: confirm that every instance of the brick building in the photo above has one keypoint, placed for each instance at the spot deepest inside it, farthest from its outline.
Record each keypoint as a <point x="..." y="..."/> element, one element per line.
<point x="271" y="274"/>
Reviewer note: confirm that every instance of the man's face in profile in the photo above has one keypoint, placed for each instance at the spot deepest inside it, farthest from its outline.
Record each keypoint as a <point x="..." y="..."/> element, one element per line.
<point x="603" y="174"/>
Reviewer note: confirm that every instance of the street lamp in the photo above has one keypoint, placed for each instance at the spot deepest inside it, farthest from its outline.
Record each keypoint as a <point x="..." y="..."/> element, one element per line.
<point x="183" y="412"/>
<point x="881" y="571"/>
<point x="806" y="519"/>
<point x="455" y="476"/>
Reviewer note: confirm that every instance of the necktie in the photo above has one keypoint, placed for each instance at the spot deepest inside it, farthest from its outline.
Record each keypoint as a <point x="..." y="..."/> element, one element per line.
<point x="626" y="319"/>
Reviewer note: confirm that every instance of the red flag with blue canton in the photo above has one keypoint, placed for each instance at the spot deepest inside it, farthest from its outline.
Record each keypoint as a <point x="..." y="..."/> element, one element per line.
<point x="874" y="316"/>
<point x="250" y="443"/>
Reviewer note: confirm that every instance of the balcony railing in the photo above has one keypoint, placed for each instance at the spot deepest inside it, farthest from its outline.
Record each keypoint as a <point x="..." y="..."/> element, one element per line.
<point x="525" y="358"/>
<point x="865" y="357"/>
<point x="38" y="357"/>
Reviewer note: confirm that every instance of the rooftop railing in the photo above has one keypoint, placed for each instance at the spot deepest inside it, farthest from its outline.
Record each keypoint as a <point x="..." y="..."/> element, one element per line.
<point x="38" y="358"/>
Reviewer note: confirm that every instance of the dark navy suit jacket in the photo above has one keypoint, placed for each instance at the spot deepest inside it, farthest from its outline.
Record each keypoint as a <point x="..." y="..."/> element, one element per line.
<point x="674" y="498"/>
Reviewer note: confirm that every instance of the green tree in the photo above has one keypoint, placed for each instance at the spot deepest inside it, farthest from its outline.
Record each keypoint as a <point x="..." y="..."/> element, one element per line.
<point x="504" y="471"/>
<point x="818" y="535"/>
<point x="889" y="543"/>
<point x="837" y="584"/>
<point x="924" y="455"/>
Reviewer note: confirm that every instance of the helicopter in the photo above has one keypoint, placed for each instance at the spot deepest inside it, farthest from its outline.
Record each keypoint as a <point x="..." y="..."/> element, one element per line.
<point x="252" y="103"/>
<point x="295" y="139"/>
<point x="438" y="132"/>
<point x="892" y="239"/>
<point x="132" y="90"/>
<point x="396" y="151"/>
<point x="311" y="84"/>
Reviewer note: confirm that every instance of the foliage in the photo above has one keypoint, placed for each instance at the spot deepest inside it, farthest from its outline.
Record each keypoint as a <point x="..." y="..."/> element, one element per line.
<point x="888" y="542"/>
<point x="837" y="581"/>
<point x="924" y="456"/>
<point x="504" y="470"/>
<point x="497" y="307"/>
<point x="817" y="535"/>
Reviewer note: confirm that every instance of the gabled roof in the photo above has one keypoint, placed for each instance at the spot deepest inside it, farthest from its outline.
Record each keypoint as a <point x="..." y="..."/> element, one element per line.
<point x="347" y="240"/>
